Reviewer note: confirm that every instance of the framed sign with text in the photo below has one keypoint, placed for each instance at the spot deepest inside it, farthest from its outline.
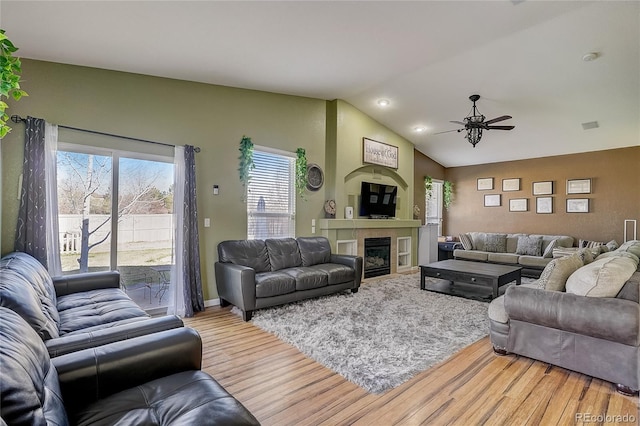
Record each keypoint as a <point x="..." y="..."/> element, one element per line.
<point x="382" y="154"/>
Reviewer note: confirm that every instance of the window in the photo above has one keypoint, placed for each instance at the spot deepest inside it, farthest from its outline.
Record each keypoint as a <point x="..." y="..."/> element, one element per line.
<point x="434" y="206"/>
<point x="271" y="196"/>
<point x="134" y="234"/>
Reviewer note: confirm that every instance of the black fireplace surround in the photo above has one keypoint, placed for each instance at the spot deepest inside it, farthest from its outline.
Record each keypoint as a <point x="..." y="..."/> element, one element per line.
<point x="377" y="256"/>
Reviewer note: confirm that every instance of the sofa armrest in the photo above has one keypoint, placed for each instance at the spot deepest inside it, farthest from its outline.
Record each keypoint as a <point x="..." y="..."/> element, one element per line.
<point x="611" y="319"/>
<point x="79" y="341"/>
<point x="92" y="374"/>
<point x="236" y="284"/>
<point x="85" y="282"/>
<point x="354" y="262"/>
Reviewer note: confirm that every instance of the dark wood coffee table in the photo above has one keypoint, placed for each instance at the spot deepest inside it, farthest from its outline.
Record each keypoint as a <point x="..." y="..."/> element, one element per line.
<point x="468" y="279"/>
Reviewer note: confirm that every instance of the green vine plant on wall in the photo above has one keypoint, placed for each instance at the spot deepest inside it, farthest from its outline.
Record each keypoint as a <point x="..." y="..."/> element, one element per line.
<point x="246" y="163"/>
<point x="10" y="69"/>
<point x="428" y="186"/>
<point x="447" y="194"/>
<point x="301" y="171"/>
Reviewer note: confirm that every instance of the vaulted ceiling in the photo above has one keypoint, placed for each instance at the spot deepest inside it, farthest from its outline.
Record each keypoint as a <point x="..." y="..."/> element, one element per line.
<point x="524" y="57"/>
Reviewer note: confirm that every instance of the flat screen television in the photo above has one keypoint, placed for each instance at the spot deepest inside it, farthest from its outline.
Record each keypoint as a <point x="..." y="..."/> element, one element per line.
<point x="378" y="200"/>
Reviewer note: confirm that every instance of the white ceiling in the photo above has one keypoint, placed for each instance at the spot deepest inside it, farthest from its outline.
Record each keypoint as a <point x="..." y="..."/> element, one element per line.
<point x="523" y="57"/>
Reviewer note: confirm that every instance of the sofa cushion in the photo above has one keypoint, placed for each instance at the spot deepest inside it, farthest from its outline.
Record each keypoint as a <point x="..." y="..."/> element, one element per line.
<point x="602" y="278"/>
<point x="96" y="308"/>
<point x="308" y="277"/>
<point x="480" y="256"/>
<point x="529" y="245"/>
<point x="510" y="258"/>
<point x="336" y="273"/>
<point x="537" y="262"/>
<point x="495" y="243"/>
<point x="274" y="284"/>
<point x="283" y="253"/>
<point x="619" y="253"/>
<point x="314" y="250"/>
<point x="466" y="240"/>
<point x="250" y="253"/>
<point x="555" y="274"/>
<point x="17" y="294"/>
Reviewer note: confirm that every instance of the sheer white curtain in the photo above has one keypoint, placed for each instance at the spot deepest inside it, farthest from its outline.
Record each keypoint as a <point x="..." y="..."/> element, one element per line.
<point x="51" y="194"/>
<point x="176" y="294"/>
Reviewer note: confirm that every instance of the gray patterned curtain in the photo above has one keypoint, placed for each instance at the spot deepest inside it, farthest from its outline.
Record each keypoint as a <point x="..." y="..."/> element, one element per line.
<point x="31" y="236"/>
<point x="193" y="297"/>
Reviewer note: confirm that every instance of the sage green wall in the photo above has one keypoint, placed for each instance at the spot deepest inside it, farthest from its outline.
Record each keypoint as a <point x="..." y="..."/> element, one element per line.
<point x="178" y="112"/>
<point x="348" y="168"/>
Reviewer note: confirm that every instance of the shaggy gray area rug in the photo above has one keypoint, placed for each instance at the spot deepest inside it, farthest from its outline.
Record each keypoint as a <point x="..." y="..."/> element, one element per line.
<point x="381" y="336"/>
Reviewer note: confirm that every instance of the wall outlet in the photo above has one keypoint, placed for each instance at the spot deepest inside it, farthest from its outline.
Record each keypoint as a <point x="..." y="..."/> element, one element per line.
<point x="216" y="189"/>
<point x="207" y="222"/>
<point x="313" y="229"/>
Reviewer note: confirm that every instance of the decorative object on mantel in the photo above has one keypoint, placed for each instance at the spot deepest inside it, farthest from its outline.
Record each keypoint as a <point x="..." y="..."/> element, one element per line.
<point x="484" y="184"/>
<point x="9" y="79"/>
<point x="301" y="171"/>
<point x="577" y="205"/>
<point x="474" y="123"/>
<point x="330" y="209"/>
<point x="511" y="184"/>
<point x="374" y="152"/>
<point x="447" y="194"/>
<point x="246" y="164"/>
<point x="543" y="188"/>
<point x="315" y="177"/>
<point x="544" y="205"/>
<point x="578" y="186"/>
<point x="416" y="212"/>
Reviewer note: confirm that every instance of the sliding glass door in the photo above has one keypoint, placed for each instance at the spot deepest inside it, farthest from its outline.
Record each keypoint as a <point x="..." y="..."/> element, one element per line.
<point x="116" y="213"/>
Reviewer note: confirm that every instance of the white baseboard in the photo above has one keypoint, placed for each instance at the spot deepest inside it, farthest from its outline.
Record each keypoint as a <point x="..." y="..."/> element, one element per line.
<point x="211" y="302"/>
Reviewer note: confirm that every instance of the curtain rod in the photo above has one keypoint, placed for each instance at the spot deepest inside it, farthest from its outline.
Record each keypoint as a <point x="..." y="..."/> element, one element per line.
<point x="17" y="119"/>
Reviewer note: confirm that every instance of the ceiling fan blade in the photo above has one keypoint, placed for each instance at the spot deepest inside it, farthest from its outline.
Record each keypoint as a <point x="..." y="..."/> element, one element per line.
<point x="458" y="122"/>
<point x="499" y="127"/>
<point x="495" y="120"/>
<point x="447" y="131"/>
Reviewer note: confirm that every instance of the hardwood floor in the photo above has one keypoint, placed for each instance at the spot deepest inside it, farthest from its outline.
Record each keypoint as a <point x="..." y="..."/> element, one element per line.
<point x="281" y="386"/>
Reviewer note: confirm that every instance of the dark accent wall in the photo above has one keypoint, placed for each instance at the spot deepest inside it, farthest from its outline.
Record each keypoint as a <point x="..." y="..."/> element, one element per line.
<point x="424" y="166"/>
<point x="615" y="195"/>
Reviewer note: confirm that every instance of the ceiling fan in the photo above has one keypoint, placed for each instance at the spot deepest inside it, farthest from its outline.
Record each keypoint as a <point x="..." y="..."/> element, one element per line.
<point x="474" y="124"/>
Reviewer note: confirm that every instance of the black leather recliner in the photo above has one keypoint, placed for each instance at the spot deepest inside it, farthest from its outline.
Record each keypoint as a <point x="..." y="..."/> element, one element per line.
<point x="151" y="380"/>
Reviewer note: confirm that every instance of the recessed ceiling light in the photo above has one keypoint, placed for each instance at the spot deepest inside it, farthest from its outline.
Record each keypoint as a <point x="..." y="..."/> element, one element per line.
<point x="383" y="102"/>
<point x="419" y="129"/>
<point x="591" y="56"/>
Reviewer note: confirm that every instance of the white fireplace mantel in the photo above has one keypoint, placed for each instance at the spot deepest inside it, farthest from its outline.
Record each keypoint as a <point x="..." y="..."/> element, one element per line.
<point x="327" y="224"/>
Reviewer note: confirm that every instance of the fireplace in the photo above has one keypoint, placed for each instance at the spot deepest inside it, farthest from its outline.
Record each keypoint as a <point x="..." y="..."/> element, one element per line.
<point x="377" y="256"/>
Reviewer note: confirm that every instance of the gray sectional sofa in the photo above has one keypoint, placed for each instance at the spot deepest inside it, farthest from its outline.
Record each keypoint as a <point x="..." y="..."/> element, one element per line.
<point x="254" y="274"/>
<point x="590" y="323"/>
<point x="487" y="247"/>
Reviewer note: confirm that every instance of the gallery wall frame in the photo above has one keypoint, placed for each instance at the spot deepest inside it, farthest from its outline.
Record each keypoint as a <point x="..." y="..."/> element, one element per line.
<point x="519" y="205"/>
<point x="544" y="205"/>
<point x="578" y="186"/>
<point x="493" y="200"/>
<point x="577" y="205"/>
<point x="485" y="184"/>
<point x="512" y="184"/>
<point x="542" y="188"/>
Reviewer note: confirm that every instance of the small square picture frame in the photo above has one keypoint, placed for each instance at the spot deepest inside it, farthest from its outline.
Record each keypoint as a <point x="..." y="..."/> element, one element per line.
<point x="542" y="188"/>
<point x="484" y="184"/>
<point x="492" y="200"/>
<point x="512" y="184"/>
<point x="519" y="205"/>
<point x="578" y="186"/>
<point x="577" y="205"/>
<point x="544" y="205"/>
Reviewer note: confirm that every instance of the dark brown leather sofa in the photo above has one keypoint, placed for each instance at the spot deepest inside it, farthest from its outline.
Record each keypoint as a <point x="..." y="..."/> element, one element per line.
<point x="151" y="380"/>
<point x="73" y="312"/>
<point x="255" y="274"/>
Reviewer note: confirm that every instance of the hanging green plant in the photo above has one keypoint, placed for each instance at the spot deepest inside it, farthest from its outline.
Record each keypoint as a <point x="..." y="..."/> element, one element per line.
<point x="301" y="171"/>
<point x="10" y="69"/>
<point x="447" y="194"/>
<point x="246" y="163"/>
<point x="428" y="186"/>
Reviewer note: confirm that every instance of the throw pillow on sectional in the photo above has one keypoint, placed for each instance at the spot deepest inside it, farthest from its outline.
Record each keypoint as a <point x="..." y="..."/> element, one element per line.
<point x="467" y="242"/>
<point x="495" y="243"/>
<point x="529" y="246"/>
<point x="602" y="278"/>
<point x="548" y="252"/>
<point x="612" y="245"/>
<point x="555" y="274"/>
<point x="632" y="246"/>
<point x="586" y="255"/>
<point x="589" y="244"/>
